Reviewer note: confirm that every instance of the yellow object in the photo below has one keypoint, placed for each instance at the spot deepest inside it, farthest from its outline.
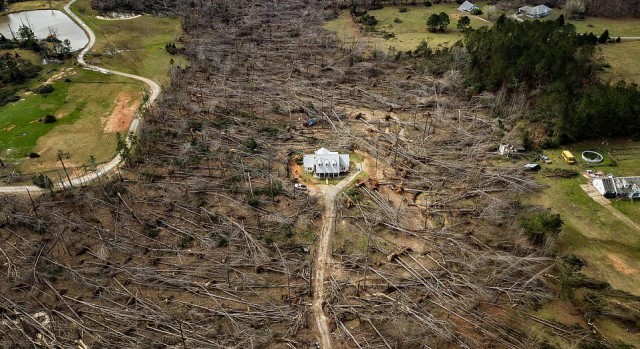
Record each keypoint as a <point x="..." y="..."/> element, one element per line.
<point x="568" y="157"/>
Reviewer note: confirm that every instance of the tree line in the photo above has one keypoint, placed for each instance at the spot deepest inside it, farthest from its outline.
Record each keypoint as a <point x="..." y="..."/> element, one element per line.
<point x="555" y="67"/>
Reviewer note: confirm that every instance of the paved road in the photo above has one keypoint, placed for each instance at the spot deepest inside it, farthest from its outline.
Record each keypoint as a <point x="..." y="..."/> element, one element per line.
<point x="323" y="256"/>
<point x="133" y="128"/>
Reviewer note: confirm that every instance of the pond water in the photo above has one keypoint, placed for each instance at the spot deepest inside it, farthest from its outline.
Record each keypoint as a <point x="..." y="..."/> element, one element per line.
<point x="44" y="22"/>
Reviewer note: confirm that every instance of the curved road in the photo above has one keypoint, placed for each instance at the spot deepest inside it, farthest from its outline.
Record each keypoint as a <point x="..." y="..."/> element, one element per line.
<point x="133" y="128"/>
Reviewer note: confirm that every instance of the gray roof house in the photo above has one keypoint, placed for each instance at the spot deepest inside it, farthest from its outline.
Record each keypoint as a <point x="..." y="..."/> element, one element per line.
<point x="325" y="163"/>
<point x="535" y="12"/>
<point x="612" y="187"/>
<point x="467" y="7"/>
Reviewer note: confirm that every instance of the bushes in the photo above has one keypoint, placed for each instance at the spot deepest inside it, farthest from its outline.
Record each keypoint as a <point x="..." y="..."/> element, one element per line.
<point x="438" y="22"/>
<point x="44" y="89"/>
<point x="49" y="119"/>
<point x="43" y="181"/>
<point x="540" y="226"/>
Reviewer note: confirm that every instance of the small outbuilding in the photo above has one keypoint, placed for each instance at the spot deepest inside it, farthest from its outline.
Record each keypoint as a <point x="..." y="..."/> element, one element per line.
<point x="325" y="163"/>
<point x="535" y="11"/>
<point x="467" y="7"/>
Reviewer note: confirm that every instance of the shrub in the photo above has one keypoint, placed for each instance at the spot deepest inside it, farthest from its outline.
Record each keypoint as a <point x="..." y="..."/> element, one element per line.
<point x="427" y="3"/>
<point x="33" y="155"/>
<point x="540" y="226"/>
<point x="398" y="20"/>
<point x="403" y="10"/>
<point x="44" y="89"/>
<point x="49" y="119"/>
<point x="43" y="181"/>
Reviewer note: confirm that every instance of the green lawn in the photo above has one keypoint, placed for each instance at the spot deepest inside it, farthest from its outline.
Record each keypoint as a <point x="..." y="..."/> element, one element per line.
<point x="81" y="107"/>
<point x="623" y="58"/>
<point x="409" y="33"/>
<point x="134" y="46"/>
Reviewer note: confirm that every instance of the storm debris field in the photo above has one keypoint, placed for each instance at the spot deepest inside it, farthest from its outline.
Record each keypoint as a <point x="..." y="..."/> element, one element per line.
<point x="202" y="241"/>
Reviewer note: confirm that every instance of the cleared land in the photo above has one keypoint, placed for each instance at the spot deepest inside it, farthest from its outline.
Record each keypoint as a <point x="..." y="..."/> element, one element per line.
<point x="409" y="33"/>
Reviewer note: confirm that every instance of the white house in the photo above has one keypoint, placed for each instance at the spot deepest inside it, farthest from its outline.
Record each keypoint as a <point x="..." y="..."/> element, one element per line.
<point x="325" y="163"/>
<point x="535" y="12"/>
<point x="612" y="187"/>
<point x="467" y="7"/>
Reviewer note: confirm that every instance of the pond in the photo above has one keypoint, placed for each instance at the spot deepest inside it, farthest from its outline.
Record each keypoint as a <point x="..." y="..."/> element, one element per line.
<point x="44" y="22"/>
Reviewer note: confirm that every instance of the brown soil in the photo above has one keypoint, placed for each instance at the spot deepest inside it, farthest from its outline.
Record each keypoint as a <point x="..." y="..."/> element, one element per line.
<point x="122" y="114"/>
<point x="621" y="266"/>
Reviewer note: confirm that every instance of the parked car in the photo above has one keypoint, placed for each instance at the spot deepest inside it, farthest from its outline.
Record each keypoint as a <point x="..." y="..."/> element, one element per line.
<point x="300" y="186"/>
<point x="545" y="159"/>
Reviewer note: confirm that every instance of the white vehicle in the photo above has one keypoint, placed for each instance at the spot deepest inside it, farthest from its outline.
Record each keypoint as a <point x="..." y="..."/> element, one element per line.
<point x="300" y="186"/>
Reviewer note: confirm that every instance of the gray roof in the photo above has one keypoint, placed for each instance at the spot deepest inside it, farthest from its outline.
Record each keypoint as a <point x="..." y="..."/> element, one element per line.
<point x="608" y="185"/>
<point x="324" y="161"/>
<point x="537" y="11"/>
<point x="626" y="185"/>
<point x="467" y="7"/>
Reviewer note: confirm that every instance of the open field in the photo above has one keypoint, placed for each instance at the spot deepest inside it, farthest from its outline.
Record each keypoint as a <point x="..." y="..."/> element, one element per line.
<point x="410" y="32"/>
<point x="81" y="106"/>
<point x="37" y="5"/>
<point x="623" y="58"/>
<point x="135" y="46"/>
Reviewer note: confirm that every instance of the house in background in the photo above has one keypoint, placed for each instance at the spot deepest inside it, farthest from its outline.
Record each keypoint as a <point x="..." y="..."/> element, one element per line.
<point x="325" y="163"/>
<point x="611" y="187"/>
<point x="535" y="12"/>
<point x="467" y="7"/>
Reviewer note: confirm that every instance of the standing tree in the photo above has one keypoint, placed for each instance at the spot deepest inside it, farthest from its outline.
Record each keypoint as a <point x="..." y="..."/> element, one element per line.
<point x="491" y="12"/>
<point x="438" y="22"/>
<point x="574" y="9"/>
<point x="464" y="23"/>
<point x="604" y="37"/>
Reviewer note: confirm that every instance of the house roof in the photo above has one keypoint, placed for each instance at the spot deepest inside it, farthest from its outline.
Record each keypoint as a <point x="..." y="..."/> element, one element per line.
<point x="467" y="7"/>
<point x="609" y="186"/>
<point x="327" y="163"/>
<point x="325" y="151"/>
<point x="537" y="10"/>
<point x="626" y="185"/>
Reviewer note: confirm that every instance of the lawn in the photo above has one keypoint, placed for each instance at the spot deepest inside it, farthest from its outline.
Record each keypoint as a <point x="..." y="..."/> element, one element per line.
<point x="134" y="46"/>
<point x="409" y="33"/>
<point x="623" y="58"/>
<point x="37" y="5"/>
<point x="609" y="247"/>
<point x="81" y="107"/>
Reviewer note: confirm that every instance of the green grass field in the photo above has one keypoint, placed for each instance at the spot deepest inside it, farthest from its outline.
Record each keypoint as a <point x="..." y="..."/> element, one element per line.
<point x="623" y="58"/>
<point x="134" y="46"/>
<point x="410" y="32"/>
<point x="81" y="107"/>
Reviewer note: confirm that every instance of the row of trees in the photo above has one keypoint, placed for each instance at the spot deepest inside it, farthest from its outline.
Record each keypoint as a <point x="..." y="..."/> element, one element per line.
<point x="555" y="67"/>
<point x="50" y="47"/>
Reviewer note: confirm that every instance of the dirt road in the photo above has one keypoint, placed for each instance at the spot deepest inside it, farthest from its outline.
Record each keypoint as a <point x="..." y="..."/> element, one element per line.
<point x="322" y="256"/>
<point x="133" y="128"/>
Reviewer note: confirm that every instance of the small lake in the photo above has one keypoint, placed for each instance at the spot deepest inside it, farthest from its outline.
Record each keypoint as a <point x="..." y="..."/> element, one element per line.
<point x="44" y="22"/>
